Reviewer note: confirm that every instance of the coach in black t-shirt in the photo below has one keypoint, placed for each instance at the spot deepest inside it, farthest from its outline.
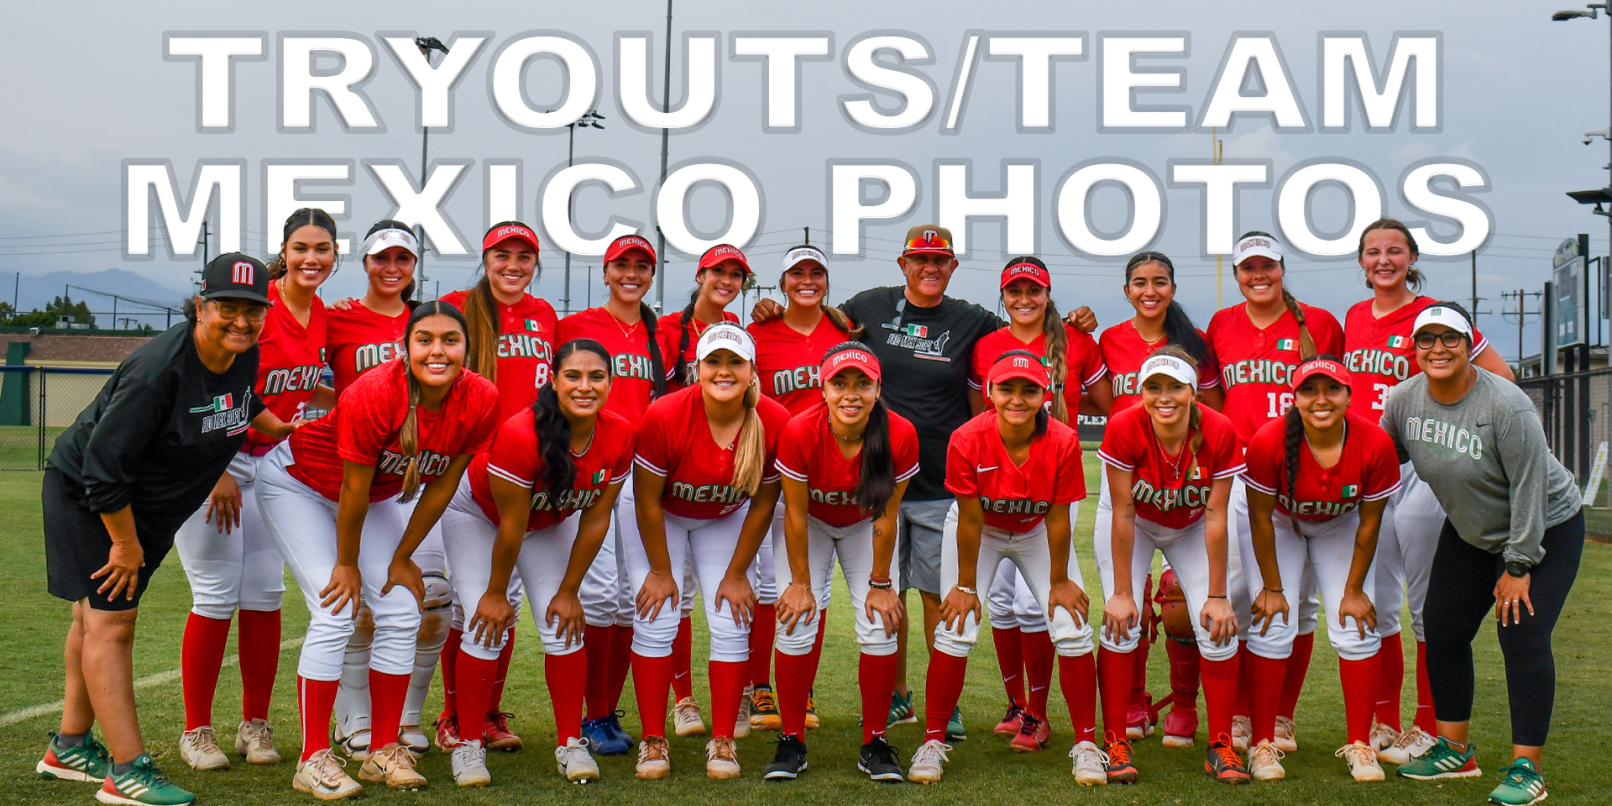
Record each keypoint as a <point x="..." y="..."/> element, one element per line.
<point x="119" y="483"/>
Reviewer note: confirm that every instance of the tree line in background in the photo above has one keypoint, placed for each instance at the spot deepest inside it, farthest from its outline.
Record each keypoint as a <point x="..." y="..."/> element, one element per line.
<point x="59" y="308"/>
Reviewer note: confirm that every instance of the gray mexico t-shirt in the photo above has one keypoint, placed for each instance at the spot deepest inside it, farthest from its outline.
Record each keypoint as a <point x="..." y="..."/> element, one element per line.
<point x="1486" y="459"/>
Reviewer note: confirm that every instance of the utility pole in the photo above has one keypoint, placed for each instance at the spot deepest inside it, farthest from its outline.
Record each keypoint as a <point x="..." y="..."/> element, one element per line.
<point x="592" y="118"/>
<point x="1522" y="313"/>
<point x="426" y="44"/>
<point x="665" y="107"/>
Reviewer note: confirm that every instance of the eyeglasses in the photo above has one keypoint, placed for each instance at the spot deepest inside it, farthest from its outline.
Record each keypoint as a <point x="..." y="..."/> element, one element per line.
<point x="1451" y="339"/>
<point x="232" y="311"/>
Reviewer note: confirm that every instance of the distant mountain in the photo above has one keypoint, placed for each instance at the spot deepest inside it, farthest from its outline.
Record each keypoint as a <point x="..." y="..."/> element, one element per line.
<point x="36" y="291"/>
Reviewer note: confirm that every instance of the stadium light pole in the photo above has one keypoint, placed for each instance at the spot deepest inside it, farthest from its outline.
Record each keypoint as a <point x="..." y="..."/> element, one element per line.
<point x="591" y="118"/>
<point x="426" y="44"/>
<point x="665" y="133"/>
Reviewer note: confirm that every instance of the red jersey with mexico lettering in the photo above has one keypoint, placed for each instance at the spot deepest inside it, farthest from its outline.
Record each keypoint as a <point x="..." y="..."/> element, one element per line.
<point x="1015" y="497"/>
<point x="669" y="329"/>
<point x="1254" y="363"/>
<point x="1380" y="352"/>
<point x="674" y="442"/>
<point x="1171" y="491"/>
<point x="809" y="453"/>
<point x="365" y="424"/>
<point x="526" y="345"/>
<point x="516" y="457"/>
<point x="1367" y="470"/>
<point x="1082" y="358"/>
<point x="788" y="361"/>
<point x="359" y="339"/>
<point x="291" y="358"/>
<point x="1124" y="351"/>
<point x="632" y="383"/>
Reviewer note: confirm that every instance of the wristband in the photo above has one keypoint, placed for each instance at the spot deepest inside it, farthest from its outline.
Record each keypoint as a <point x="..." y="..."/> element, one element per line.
<point x="969" y="591"/>
<point x="1267" y="590"/>
<point x="1212" y="596"/>
<point x="881" y="583"/>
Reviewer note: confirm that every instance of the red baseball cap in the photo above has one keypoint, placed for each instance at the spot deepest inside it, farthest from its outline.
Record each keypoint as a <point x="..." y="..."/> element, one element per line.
<point x="627" y="243"/>
<point x="1027" y="268"/>
<point x="848" y="358"/>
<point x="504" y="232"/>
<point x="1321" y="366"/>
<point x="1020" y="364"/>
<point x="721" y="252"/>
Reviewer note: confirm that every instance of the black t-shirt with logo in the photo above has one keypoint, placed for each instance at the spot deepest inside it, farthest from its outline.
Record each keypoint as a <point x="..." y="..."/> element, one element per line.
<point x="924" y="354"/>
<point x="160" y="433"/>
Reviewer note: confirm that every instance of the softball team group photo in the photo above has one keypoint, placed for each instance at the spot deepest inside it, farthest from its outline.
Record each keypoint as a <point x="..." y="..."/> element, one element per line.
<point x="424" y="472"/>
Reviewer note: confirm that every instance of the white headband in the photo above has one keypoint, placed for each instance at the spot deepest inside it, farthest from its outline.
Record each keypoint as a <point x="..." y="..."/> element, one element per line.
<point x="384" y="239"/>
<point x="726" y="336"/>
<point x="794" y="256"/>
<point x="1171" y="366"/>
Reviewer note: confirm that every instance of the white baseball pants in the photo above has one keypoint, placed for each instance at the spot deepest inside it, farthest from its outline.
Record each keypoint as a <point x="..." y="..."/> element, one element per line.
<point x="240" y="569"/>
<point x="853" y="546"/>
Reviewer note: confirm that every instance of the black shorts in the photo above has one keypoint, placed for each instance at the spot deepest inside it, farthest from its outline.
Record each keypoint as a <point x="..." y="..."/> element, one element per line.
<point x="77" y="545"/>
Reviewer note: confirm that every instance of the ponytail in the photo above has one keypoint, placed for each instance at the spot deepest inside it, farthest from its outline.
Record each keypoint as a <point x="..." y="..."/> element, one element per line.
<point x="1293" y="427"/>
<point x="657" y="363"/>
<point x="878" y="482"/>
<point x="1057" y="361"/>
<point x="682" y="340"/>
<point x="852" y="331"/>
<point x="1306" y="341"/>
<point x="751" y="452"/>
<point x="481" y="312"/>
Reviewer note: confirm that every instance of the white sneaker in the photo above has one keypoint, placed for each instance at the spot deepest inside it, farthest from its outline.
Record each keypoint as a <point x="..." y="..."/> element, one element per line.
<point x="413" y="737"/>
<point x="686" y="718"/>
<point x="741" y="725"/>
<point x="199" y="749"/>
<point x="1382" y="736"/>
<point x="1409" y="745"/>
<point x="1242" y="730"/>
<point x="356" y="746"/>
<point x="1265" y="762"/>
<point x="469" y="763"/>
<point x="929" y="763"/>
<point x="1286" y="740"/>
<point x="576" y="763"/>
<point x="393" y="765"/>
<point x="254" y="740"/>
<point x="323" y="777"/>
<point x="1363" y="766"/>
<point x="654" y="758"/>
<point x="721" y="758"/>
<point x="1091" y="765"/>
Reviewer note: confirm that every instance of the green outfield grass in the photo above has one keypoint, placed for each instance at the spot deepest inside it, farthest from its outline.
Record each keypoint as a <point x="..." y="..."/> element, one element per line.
<point x="982" y="770"/>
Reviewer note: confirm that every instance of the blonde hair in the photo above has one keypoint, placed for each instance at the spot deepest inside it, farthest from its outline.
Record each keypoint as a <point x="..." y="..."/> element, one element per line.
<point x="1194" y="417"/>
<point x="751" y="452"/>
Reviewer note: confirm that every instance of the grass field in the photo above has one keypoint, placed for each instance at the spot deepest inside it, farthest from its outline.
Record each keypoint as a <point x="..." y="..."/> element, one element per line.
<point x="982" y="770"/>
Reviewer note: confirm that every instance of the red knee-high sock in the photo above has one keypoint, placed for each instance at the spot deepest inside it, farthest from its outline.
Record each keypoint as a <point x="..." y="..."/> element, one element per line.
<point x="1038" y="659"/>
<point x="763" y="628"/>
<point x="495" y="705"/>
<point x="727" y="687"/>
<point x="651" y="677"/>
<point x="876" y="676"/>
<point x="449" y="661"/>
<point x="1298" y="666"/>
<point x="1424" y="693"/>
<point x="475" y="691"/>
<point x="316" y="700"/>
<point x="1360" y="681"/>
<point x="942" y="689"/>
<point x="816" y="653"/>
<point x="386" y="695"/>
<point x="1391" y="680"/>
<point x="1009" y="643"/>
<point x="257" y="644"/>
<point x="598" y="643"/>
<point x="200" y="657"/>
<point x="565" y="675"/>
<point x="1245" y="682"/>
<point x="794" y="683"/>
<point x="1184" y="673"/>
<point x="1114" y="673"/>
<point x="621" y="656"/>
<point x="1219" y="694"/>
<point x="1265" y="695"/>
<point x="683" y="659"/>
<point x="1077" y="677"/>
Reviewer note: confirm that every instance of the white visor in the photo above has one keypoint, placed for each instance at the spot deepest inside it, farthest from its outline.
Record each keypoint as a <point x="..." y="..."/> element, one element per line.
<point x="1256" y="245"/>
<point x="385" y="239"/>
<point x="1442" y="315"/>
<point x="795" y="256"/>
<point x="1171" y="366"/>
<point x="726" y="336"/>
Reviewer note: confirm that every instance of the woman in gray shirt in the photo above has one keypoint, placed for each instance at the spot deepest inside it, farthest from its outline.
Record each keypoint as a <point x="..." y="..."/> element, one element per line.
<point x="1511" y="541"/>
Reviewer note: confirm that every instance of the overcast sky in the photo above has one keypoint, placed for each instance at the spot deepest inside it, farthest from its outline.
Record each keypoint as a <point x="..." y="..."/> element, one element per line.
<point x="86" y="87"/>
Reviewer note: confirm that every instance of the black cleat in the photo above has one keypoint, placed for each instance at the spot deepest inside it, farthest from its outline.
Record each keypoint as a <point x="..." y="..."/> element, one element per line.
<point x="790" y="760"/>
<point x="878" y="760"/>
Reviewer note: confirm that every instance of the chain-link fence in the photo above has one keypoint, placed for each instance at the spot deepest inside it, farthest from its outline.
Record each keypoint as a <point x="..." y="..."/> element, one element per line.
<point x="1577" y="412"/>
<point x="37" y="404"/>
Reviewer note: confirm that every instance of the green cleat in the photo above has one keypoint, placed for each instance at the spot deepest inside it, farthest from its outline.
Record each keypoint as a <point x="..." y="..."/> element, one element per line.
<point x="954" y="727"/>
<point x="1520" y="785"/>
<point x="901" y="709"/>
<point x="88" y="762"/>
<point x="142" y="785"/>
<point x="1443" y="761"/>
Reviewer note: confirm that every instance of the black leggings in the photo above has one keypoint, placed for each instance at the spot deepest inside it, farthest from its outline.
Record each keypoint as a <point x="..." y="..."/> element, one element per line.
<point x="1460" y="596"/>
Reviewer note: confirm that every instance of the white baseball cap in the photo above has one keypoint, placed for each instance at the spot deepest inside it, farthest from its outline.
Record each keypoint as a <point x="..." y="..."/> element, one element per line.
<point x="1443" y="315"/>
<point x="384" y="239"/>
<point x="1251" y="245"/>
<point x="795" y="256"/>
<point x="726" y="336"/>
<point x="1171" y="366"/>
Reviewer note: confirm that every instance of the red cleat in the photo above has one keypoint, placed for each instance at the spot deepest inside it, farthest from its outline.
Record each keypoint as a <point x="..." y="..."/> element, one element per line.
<point x="1013" y="721"/>
<point x="1033" y="736"/>
<point x="498" y="735"/>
